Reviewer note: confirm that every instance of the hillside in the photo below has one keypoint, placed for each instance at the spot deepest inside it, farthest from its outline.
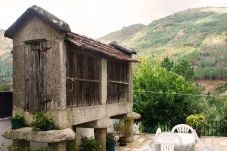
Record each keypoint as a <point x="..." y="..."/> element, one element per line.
<point x="197" y="35"/>
<point x="5" y="58"/>
<point x="124" y="34"/>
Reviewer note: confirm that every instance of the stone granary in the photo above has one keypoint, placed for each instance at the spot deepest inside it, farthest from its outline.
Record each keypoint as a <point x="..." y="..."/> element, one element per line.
<point x="79" y="81"/>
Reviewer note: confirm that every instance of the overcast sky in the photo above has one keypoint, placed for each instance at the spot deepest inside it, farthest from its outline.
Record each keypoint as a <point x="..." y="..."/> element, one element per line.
<point x="95" y="18"/>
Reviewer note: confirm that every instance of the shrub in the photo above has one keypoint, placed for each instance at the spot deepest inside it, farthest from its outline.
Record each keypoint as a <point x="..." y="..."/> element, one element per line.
<point x="17" y="116"/>
<point x="196" y="120"/>
<point x="110" y="138"/>
<point x="72" y="146"/>
<point x="42" y="121"/>
<point x="89" y="144"/>
<point x="119" y="126"/>
<point x="14" y="147"/>
<point x="17" y="120"/>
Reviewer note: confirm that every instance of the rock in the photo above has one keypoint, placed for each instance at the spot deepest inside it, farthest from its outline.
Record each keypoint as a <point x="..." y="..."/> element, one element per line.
<point x="28" y="134"/>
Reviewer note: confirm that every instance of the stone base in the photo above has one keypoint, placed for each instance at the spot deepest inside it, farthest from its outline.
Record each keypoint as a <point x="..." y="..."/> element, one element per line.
<point x="28" y="134"/>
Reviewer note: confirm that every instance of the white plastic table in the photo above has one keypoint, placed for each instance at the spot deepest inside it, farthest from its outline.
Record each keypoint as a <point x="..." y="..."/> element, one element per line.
<point x="188" y="142"/>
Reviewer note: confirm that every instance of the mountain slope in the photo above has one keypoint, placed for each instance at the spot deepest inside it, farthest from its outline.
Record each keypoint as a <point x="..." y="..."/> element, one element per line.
<point x="5" y="58"/>
<point x="198" y="35"/>
<point x="126" y="33"/>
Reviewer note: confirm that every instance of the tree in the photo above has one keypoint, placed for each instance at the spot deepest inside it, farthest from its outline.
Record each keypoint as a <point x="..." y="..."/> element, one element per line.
<point x="184" y="68"/>
<point x="167" y="63"/>
<point x="162" y="96"/>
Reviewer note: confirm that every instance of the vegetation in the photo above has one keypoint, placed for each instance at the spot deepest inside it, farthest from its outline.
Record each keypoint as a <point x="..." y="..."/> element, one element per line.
<point x="196" y="120"/>
<point x="42" y="121"/>
<point x="17" y="120"/>
<point x="222" y="88"/>
<point x="14" y="147"/>
<point x="89" y="144"/>
<point x="183" y="67"/>
<point x="119" y="126"/>
<point x="6" y="87"/>
<point x="162" y="96"/>
<point x="110" y="138"/>
<point x="5" y="62"/>
<point x="72" y="146"/>
<point x="17" y="116"/>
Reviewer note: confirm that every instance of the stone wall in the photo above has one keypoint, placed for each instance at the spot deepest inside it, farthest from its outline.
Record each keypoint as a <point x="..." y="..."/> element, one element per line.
<point x="55" y="69"/>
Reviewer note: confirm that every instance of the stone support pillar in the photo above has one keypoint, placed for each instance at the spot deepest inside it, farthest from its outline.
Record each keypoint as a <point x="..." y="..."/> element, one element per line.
<point x="60" y="146"/>
<point x="129" y="124"/>
<point x="100" y="137"/>
<point x="129" y="130"/>
<point x="103" y="78"/>
<point x="21" y="143"/>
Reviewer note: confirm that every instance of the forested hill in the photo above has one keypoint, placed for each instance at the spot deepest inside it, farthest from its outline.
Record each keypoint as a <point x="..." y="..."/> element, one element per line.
<point x="197" y="35"/>
<point x="5" y="58"/>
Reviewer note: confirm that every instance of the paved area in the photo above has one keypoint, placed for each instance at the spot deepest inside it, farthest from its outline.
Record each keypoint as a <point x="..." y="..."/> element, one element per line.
<point x="142" y="142"/>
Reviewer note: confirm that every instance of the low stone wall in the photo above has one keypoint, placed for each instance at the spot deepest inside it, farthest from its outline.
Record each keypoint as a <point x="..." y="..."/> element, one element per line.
<point x="4" y="124"/>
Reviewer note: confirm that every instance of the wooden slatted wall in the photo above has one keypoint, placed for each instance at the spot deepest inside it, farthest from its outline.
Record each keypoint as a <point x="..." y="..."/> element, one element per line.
<point x="83" y="79"/>
<point x="118" y="78"/>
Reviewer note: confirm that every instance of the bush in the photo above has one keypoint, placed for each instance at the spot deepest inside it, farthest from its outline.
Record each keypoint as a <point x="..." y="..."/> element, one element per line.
<point x="14" y="147"/>
<point x="89" y="144"/>
<point x="42" y="121"/>
<point x="196" y="120"/>
<point x="72" y="146"/>
<point x="17" y="116"/>
<point x="110" y="138"/>
<point x="119" y="126"/>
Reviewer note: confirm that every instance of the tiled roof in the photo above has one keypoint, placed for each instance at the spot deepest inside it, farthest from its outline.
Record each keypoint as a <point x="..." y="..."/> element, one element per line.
<point x="96" y="46"/>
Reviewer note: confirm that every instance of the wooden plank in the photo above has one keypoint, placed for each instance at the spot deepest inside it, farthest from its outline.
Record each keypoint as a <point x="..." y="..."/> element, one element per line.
<point x="83" y="80"/>
<point x="42" y="83"/>
<point x="118" y="82"/>
<point x="26" y="74"/>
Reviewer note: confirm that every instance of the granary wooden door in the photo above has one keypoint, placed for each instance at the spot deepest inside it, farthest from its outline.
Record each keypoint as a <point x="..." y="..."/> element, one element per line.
<point x="35" y="61"/>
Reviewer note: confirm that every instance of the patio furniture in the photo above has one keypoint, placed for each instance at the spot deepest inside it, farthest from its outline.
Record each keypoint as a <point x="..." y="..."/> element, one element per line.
<point x="165" y="141"/>
<point x="158" y="131"/>
<point x="203" y="147"/>
<point x="187" y="144"/>
<point x="182" y="128"/>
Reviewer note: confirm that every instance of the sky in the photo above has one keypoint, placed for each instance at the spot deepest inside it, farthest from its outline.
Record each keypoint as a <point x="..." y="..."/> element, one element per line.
<point x="96" y="18"/>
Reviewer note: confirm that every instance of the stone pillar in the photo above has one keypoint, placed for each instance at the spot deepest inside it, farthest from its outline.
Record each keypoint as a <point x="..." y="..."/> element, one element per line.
<point x="60" y="146"/>
<point x="129" y="124"/>
<point x="103" y="78"/>
<point x="129" y="130"/>
<point x="21" y="143"/>
<point x="100" y="137"/>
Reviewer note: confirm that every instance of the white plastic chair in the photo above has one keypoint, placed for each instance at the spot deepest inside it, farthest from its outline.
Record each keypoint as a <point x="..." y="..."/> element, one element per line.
<point x="182" y="128"/>
<point x="203" y="147"/>
<point x="166" y="140"/>
<point x="158" y="131"/>
<point x="136" y="128"/>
